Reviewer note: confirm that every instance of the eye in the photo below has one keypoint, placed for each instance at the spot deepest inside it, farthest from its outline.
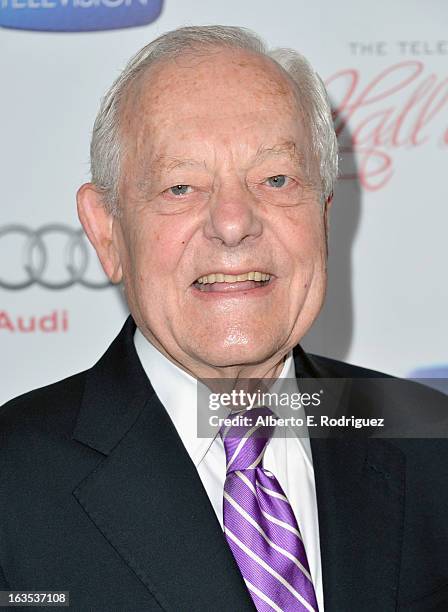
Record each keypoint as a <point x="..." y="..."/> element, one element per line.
<point x="279" y="180"/>
<point x="179" y="190"/>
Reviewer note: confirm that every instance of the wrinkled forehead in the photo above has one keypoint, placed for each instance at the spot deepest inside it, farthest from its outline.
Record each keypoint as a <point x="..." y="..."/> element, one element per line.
<point x="214" y="82"/>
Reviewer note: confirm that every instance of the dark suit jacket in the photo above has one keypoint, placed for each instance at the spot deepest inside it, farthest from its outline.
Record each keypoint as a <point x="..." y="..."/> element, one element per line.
<point x="99" y="497"/>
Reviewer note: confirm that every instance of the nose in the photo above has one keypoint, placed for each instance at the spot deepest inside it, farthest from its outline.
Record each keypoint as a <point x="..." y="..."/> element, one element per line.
<point x="232" y="215"/>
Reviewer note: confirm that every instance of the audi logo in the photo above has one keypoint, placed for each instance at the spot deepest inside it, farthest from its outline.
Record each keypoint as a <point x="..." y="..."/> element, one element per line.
<point x="53" y="256"/>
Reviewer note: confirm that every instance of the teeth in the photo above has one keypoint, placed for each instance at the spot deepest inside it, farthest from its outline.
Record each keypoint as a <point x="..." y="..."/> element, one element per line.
<point x="233" y="278"/>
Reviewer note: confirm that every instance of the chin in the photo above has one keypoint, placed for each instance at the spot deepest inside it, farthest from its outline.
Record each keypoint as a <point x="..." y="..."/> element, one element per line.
<point x="233" y="352"/>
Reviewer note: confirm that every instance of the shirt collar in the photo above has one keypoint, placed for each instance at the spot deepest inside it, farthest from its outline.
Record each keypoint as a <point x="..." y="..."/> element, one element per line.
<point x="177" y="390"/>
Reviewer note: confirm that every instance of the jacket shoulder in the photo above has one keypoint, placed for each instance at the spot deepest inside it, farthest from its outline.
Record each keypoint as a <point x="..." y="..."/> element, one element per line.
<point x="52" y="408"/>
<point x="373" y="379"/>
<point x="341" y="369"/>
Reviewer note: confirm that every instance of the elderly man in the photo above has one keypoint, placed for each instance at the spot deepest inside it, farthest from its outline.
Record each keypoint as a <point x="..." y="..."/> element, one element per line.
<point x="213" y="163"/>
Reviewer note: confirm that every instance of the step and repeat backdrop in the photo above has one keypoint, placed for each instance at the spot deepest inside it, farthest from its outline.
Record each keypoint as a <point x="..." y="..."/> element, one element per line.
<point x="386" y="68"/>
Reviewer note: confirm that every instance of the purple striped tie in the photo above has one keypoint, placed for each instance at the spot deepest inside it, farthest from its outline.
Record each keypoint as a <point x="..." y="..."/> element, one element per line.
<point x="259" y="523"/>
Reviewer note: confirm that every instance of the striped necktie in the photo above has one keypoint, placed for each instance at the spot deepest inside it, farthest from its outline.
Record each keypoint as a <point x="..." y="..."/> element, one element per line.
<point x="259" y="523"/>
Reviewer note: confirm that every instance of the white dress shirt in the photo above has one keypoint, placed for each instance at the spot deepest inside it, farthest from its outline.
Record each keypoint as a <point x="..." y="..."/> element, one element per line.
<point x="288" y="457"/>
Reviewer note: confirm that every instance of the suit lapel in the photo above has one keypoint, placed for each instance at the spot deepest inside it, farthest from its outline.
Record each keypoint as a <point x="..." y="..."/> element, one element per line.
<point x="360" y="499"/>
<point x="146" y="496"/>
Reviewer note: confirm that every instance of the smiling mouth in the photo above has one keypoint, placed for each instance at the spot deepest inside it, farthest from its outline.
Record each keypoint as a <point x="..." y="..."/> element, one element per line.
<point x="232" y="282"/>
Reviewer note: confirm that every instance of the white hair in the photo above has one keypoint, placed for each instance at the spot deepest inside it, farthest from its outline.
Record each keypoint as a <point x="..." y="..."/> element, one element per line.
<point x="313" y="100"/>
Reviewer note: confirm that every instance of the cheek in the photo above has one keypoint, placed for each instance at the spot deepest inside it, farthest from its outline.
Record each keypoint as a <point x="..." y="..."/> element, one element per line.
<point x="159" y="246"/>
<point x="303" y="238"/>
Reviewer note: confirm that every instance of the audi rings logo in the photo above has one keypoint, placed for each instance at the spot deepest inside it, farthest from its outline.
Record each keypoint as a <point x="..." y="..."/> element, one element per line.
<point x="53" y="256"/>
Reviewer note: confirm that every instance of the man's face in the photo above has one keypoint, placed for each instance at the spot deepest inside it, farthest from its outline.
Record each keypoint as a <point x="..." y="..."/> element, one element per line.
<point x="215" y="182"/>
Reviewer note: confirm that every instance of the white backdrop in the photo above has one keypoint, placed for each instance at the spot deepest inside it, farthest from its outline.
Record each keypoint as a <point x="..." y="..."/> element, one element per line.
<point x="386" y="68"/>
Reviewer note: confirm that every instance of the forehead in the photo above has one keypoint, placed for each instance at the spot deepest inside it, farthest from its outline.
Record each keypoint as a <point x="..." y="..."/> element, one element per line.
<point x="213" y="84"/>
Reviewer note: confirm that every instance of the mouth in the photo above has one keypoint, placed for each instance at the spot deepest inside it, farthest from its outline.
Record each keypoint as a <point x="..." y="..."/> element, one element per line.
<point x="218" y="282"/>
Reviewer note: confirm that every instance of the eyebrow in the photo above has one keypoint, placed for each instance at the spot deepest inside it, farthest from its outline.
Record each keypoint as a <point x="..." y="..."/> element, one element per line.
<point x="287" y="149"/>
<point x="170" y="162"/>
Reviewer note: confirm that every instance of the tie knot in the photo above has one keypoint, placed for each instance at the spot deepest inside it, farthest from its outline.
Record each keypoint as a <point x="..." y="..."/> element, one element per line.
<point x="245" y="440"/>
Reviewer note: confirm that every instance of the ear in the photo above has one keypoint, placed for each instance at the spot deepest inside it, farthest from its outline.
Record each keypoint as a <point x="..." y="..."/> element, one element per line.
<point x="98" y="224"/>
